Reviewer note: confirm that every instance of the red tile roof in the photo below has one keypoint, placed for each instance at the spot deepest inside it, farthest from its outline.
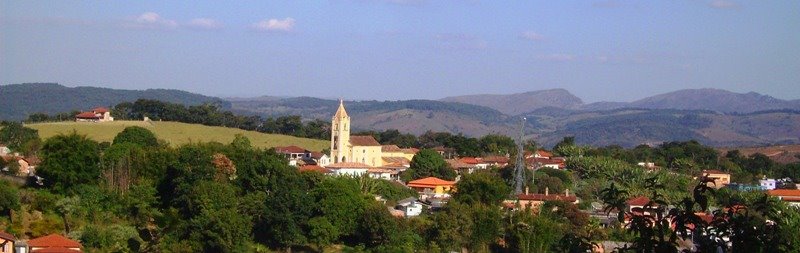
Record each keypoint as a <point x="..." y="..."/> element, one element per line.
<point x="7" y="236"/>
<point x="53" y="240"/>
<point x="32" y="160"/>
<point x="363" y="140"/>
<point x="314" y="168"/>
<point x="317" y="155"/>
<point x="396" y="160"/>
<point x="55" y="250"/>
<point x="639" y="201"/>
<point x="290" y="150"/>
<point x="348" y="165"/>
<point x="469" y="160"/>
<point x="378" y="170"/>
<point x="86" y="115"/>
<point x="390" y="148"/>
<point x="544" y="153"/>
<point x="430" y="182"/>
<point x="784" y="193"/>
<point x="495" y="159"/>
<point x="549" y="197"/>
<point x="410" y="150"/>
<point x="100" y="110"/>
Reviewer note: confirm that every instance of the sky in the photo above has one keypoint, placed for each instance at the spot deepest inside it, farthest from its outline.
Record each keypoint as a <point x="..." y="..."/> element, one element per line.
<point x="612" y="50"/>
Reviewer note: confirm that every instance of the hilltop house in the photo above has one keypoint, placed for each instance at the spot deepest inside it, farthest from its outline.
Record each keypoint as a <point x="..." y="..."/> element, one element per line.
<point x="99" y="114"/>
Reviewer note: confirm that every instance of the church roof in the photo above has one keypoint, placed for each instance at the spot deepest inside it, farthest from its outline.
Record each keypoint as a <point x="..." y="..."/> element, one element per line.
<point x="340" y="113"/>
<point x="363" y="140"/>
<point x="390" y="148"/>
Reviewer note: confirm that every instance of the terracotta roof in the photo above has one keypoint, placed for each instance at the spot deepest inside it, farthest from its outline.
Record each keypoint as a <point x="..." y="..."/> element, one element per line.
<point x="7" y="236"/>
<point x="55" y="250"/>
<point x="430" y="182"/>
<point x="784" y="193"/>
<point x="378" y="170"/>
<point x="544" y="153"/>
<point x="317" y="155"/>
<point x="469" y="160"/>
<point x="390" y="148"/>
<point x="495" y="159"/>
<point x="100" y="110"/>
<point x="638" y="201"/>
<point x="410" y="150"/>
<point x="53" y="240"/>
<point x="314" y="168"/>
<point x="396" y="160"/>
<point x="363" y="140"/>
<point x="290" y="150"/>
<point x="455" y="164"/>
<point x="549" y="197"/>
<point x="87" y="115"/>
<point x="714" y="172"/>
<point x="348" y="165"/>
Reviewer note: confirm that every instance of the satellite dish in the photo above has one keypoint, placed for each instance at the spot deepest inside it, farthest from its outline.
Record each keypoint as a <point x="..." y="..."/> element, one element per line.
<point x="597" y="206"/>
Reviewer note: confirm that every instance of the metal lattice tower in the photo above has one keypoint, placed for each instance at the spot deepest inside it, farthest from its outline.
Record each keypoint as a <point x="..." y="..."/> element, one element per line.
<point x="519" y="169"/>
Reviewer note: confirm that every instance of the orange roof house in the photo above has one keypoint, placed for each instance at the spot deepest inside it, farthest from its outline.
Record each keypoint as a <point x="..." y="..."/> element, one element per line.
<point x="53" y="243"/>
<point x="99" y="114"/>
<point x="6" y="242"/>
<point x="433" y="184"/>
<point x="790" y="196"/>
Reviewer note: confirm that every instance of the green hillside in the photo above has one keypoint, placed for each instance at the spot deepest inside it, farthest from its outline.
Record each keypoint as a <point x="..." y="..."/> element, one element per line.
<point x="176" y="133"/>
<point x="20" y="100"/>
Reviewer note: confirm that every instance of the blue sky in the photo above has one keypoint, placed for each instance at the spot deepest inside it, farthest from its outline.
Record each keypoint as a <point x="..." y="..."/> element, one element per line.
<point x="402" y="49"/>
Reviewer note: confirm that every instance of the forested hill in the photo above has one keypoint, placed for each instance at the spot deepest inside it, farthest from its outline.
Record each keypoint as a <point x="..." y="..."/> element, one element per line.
<point x="20" y="100"/>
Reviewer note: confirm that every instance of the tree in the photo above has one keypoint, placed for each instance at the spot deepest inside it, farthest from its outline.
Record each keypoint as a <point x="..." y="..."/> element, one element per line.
<point x="377" y="226"/>
<point x="481" y="187"/>
<point x="9" y="198"/>
<point x="322" y="232"/>
<point x="15" y="135"/>
<point x="136" y="135"/>
<point x="69" y="161"/>
<point x="341" y="202"/>
<point x="429" y="163"/>
<point x="497" y="144"/>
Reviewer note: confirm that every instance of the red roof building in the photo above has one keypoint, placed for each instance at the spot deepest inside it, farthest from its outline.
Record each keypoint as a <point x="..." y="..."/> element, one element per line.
<point x="363" y="140"/>
<point x="316" y="168"/>
<point x="54" y="243"/>
<point x="790" y="196"/>
<point x="432" y="184"/>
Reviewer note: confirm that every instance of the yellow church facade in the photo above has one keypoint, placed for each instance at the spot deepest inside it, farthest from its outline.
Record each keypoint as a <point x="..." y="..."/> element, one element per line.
<point x="356" y="148"/>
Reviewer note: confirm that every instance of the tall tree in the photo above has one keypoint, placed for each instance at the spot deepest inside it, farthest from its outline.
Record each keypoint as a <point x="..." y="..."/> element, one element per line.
<point x="136" y="135"/>
<point x="68" y="161"/>
<point x="429" y="163"/>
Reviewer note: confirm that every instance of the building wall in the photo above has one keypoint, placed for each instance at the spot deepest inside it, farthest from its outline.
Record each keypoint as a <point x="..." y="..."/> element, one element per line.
<point x="340" y="139"/>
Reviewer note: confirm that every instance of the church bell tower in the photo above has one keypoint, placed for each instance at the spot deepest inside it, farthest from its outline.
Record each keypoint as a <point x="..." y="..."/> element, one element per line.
<point x="340" y="135"/>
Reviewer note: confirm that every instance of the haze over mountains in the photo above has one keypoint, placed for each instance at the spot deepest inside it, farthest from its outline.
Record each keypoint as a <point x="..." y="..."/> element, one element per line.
<point x="712" y="116"/>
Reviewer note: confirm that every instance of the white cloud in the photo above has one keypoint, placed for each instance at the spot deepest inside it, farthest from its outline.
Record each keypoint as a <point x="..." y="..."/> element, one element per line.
<point x="533" y="36"/>
<point x="723" y="4"/>
<point x="204" y="23"/>
<point x="275" y="25"/>
<point x="558" y="57"/>
<point x="152" y="20"/>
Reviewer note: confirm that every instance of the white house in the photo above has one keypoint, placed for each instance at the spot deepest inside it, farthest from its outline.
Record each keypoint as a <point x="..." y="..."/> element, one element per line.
<point x="322" y="159"/>
<point x="379" y="173"/>
<point x="767" y="183"/>
<point x="348" y="169"/>
<point x="410" y="206"/>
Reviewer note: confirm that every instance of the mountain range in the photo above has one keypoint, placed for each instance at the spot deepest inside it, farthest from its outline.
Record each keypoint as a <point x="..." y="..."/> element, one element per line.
<point x="712" y="116"/>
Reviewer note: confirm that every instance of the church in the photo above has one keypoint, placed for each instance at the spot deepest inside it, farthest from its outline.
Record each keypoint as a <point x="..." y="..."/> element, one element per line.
<point x="357" y="148"/>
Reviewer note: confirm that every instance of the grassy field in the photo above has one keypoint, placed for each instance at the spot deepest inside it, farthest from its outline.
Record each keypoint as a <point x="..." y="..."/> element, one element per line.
<point x="175" y="133"/>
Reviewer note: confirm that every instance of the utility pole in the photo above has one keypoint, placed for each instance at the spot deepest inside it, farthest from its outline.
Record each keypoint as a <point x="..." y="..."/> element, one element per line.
<point x="519" y="169"/>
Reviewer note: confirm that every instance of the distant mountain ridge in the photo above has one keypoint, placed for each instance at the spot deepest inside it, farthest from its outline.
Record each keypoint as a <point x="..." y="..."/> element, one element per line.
<point x="514" y="104"/>
<point x="20" y="100"/>
<point x="689" y="99"/>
